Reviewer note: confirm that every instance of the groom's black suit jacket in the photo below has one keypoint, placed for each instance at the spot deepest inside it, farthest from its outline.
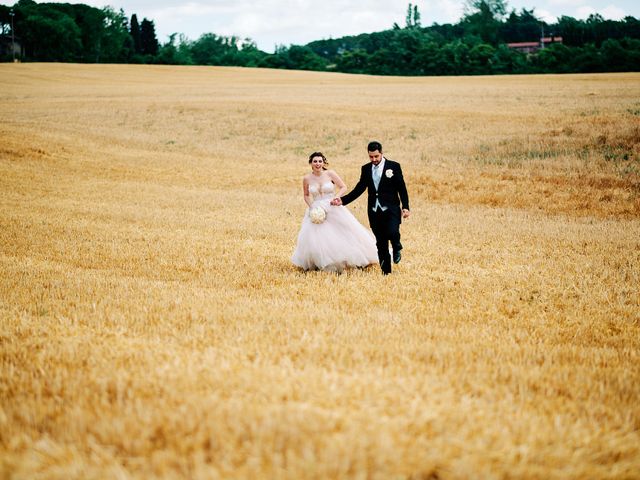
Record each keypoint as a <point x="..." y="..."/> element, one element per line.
<point x="392" y="191"/>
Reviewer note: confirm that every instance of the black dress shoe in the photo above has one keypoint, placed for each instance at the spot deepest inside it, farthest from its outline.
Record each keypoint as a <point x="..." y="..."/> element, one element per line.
<point x="397" y="256"/>
<point x="386" y="270"/>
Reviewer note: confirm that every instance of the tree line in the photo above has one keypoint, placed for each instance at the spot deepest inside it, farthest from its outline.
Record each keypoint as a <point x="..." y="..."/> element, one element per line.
<point x="63" y="32"/>
<point x="477" y="44"/>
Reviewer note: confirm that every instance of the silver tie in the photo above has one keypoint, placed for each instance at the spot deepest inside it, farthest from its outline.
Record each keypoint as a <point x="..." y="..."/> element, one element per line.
<point x="376" y="176"/>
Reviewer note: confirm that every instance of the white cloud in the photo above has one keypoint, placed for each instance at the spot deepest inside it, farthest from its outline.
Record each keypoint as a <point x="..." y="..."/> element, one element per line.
<point x="584" y="11"/>
<point x="271" y="22"/>
<point x="546" y="16"/>
<point x="611" y="12"/>
<point x="564" y="3"/>
<point x="441" y="11"/>
<point x="274" y="22"/>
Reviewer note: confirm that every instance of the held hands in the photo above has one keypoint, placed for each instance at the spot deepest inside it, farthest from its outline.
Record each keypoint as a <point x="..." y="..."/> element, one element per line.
<point x="338" y="201"/>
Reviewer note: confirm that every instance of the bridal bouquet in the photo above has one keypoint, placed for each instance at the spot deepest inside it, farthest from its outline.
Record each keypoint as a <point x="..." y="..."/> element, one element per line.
<point x="317" y="214"/>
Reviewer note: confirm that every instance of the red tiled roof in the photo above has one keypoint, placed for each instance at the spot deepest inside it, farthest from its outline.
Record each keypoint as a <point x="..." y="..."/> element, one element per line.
<point x="523" y="44"/>
<point x="535" y="44"/>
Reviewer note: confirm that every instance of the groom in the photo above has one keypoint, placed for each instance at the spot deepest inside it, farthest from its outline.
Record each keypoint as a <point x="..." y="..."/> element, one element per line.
<point x="382" y="178"/>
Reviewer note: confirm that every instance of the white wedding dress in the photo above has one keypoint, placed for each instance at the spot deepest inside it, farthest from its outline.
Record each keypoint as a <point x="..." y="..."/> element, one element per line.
<point x="339" y="242"/>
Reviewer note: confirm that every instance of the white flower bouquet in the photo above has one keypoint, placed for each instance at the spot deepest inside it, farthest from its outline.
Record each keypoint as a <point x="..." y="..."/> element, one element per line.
<point x="317" y="214"/>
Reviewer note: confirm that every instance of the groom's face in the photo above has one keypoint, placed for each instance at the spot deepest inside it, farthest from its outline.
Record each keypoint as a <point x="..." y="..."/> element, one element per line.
<point x="375" y="157"/>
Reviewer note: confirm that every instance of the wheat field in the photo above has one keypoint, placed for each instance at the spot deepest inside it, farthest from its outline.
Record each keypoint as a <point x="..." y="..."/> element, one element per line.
<point x="152" y="325"/>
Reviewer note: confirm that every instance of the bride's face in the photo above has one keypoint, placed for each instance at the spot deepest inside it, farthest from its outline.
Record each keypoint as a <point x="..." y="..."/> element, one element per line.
<point x="316" y="164"/>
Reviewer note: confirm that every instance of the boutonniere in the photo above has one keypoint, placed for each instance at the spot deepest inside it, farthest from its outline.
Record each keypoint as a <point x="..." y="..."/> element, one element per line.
<point x="389" y="173"/>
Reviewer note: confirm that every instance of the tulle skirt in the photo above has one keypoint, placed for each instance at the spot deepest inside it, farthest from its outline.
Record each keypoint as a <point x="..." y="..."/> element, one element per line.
<point x="339" y="242"/>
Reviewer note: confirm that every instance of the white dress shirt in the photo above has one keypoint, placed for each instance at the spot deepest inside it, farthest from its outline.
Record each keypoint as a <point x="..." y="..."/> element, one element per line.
<point x="380" y="168"/>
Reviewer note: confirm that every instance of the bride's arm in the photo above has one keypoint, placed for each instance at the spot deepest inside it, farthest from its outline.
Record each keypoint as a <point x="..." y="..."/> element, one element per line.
<point x="337" y="181"/>
<point x="305" y="192"/>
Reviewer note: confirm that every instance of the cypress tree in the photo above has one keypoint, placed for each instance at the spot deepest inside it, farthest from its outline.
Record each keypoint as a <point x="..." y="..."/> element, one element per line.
<point x="416" y="16"/>
<point x="134" y="31"/>
<point x="148" y="40"/>
<point x="409" y="18"/>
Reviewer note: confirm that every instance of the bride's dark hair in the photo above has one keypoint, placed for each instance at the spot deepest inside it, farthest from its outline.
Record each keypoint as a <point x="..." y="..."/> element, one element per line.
<point x="319" y="154"/>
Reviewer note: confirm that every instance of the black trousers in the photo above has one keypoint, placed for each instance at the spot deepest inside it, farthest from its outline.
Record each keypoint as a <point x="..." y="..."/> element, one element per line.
<point x="386" y="228"/>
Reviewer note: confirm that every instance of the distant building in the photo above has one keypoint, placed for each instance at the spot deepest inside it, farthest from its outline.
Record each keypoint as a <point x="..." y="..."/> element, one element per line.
<point x="533" y="47"/>
<point x="9" y="47"/>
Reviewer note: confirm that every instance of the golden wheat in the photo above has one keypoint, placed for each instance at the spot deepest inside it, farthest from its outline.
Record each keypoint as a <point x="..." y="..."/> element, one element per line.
<point x="152" y="325"/>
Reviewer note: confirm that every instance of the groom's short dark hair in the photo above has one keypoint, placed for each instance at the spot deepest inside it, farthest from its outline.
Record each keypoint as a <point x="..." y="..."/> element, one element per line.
<point x="373" y="146"/>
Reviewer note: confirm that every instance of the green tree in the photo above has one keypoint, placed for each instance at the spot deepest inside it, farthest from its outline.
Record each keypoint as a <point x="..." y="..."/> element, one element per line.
<point x="175" y="52"/>
<point x="483" y="19"/>
<point x="279" y="59"/>
<point x="573" y="31"/>
<point x="586" y="59"/>
<point x="554" y="58"/>
<point x="497" y="8"/>
<point x="353" y="61"/>
<point x="304" y="58"/>
<point x="630" y="28"/>
<point x="90" y="20"/>
<point x="416" y="16"/>
<point x="412" y="18"/>
<point x="250" y="55"/>
<point x="523" y="27"/>
<point x="116" y="42"/>
<point x="210" y="49"/>
<point x="615" y="58"/>
<point x="426" y="59"/>
<point x="50" y="35"/>
<point x="408" y="21"/>
<point x="507" y="60"/>
<point x="295" y="57"/>
<point x="148" y="40"/>
<point x="594" y="28"/>
<point x="455" y="56"/>
<point x="481" y="58"/>
<point x="134" y="31"/>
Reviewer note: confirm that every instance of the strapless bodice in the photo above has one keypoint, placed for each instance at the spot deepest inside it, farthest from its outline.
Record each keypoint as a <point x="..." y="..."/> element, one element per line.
<point x="326" y="189"/>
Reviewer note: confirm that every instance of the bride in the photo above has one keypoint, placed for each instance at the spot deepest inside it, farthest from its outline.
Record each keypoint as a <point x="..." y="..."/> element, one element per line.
<point x="330" y="238"/>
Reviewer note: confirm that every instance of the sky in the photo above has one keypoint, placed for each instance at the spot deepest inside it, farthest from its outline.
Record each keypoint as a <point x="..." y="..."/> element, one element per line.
<point x="284" y="22"/>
